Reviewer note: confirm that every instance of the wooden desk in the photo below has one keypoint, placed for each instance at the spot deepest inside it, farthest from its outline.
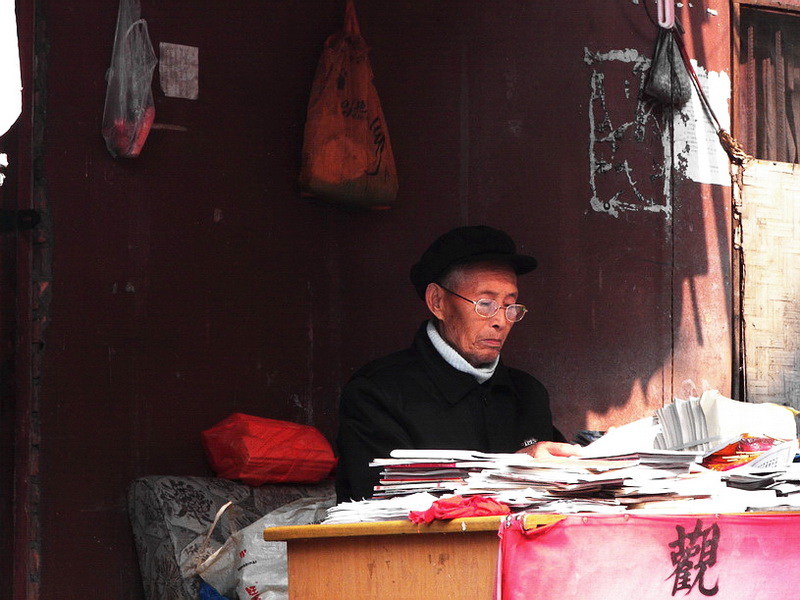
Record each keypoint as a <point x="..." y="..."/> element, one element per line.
<point x="394" y="560"/>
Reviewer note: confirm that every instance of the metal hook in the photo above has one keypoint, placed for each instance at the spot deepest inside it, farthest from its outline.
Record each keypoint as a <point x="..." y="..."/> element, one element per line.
<point x="666" y="13"/>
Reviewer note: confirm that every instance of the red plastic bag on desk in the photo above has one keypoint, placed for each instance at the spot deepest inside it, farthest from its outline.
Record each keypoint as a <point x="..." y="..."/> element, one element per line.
<point x="256" y="450"/>
<point x="347" y="157"/>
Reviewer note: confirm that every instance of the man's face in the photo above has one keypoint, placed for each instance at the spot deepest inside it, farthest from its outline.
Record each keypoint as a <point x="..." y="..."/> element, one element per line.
<point x="478" y="339"/>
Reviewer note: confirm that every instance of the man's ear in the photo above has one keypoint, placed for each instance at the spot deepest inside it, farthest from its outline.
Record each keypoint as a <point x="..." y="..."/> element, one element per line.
<point x="434" y="297"/>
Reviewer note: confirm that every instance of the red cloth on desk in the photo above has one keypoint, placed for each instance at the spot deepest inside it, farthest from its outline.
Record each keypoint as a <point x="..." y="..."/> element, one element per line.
<point x="458" y="507"/>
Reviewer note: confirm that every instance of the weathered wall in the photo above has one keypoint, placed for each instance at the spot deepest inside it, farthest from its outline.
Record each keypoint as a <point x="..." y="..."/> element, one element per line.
<point x="193" y="281"/>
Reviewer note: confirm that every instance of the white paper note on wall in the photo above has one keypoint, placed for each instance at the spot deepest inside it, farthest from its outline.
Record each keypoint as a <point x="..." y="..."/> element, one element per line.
<point x="178" y="69"/>
<point x="699" y="154"/>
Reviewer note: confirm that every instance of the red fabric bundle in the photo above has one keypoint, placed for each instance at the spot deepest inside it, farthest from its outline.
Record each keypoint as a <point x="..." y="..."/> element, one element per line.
<point x="458" y="507"/>
<point x="256" y="450"/>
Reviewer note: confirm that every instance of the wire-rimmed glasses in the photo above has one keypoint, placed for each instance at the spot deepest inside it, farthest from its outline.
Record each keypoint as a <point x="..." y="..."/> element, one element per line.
<point x="487" y="308"/>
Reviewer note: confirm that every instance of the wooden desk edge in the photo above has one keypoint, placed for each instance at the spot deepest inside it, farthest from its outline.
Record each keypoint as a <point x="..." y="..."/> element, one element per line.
<point x="465" y="525"/>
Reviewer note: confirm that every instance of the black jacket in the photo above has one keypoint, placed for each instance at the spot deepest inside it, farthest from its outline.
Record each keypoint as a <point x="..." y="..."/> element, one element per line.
<point x="415" y="399"/>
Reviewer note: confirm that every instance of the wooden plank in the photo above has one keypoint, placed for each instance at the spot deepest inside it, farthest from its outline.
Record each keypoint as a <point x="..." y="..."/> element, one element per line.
<point x="394" y="567"/>
<point x="294" y="532"/>
<point x="465" y="525"/>
<point x="780" y="4"/>
<point x="771" y="287"/>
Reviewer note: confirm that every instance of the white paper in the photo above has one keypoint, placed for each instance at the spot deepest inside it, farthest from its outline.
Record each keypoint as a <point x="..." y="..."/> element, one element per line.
<point x="729" y="418"/>
<point x="10" y="74"/>
<point x="637" y="436"/>
<point x="178" y="68"/>
<point x="700" y="155"/>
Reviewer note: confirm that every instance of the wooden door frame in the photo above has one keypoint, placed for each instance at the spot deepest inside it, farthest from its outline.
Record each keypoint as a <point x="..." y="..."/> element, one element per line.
<point x="24" y="534"/>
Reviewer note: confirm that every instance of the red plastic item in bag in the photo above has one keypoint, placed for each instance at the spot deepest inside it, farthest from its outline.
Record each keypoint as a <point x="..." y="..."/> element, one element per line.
<point x="129" y="109"/>
<point x="257" y="450"/>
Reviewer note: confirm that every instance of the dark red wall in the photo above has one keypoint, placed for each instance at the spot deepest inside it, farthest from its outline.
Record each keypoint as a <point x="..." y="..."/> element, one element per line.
<point x="194" y="281"/>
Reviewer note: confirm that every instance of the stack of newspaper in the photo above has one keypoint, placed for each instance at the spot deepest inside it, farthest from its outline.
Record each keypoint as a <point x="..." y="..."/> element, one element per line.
<point x="621" y="479"/>
<point x="434" y="471"/>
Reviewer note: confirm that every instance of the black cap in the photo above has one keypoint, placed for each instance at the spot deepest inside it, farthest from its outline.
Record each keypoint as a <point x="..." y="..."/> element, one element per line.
<point x="466" y="245"/>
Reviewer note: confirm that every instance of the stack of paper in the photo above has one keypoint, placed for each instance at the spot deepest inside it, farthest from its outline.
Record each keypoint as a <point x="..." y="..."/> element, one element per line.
<point x="435" y="471"/>
<point x="390" y="509"/>
<point x="683" y="426"/>
<point x="705" y="422"/>
<point x="618" y="479"/>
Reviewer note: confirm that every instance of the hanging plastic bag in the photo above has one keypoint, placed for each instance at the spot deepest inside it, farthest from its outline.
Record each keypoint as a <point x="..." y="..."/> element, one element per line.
<point x="669" y="81"/>
<point x="347" y="157"/>
<point x="257" y="450"/>
<point x="129" y="109"/>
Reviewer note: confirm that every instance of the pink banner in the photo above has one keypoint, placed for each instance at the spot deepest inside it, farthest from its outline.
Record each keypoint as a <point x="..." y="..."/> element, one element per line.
<point x="604" y="557"/>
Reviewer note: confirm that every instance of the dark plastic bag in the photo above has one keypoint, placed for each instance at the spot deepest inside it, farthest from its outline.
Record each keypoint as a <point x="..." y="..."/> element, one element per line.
<point x="347" y="157"/>
<point x="668" y="82"/>
<point x="129" y="109"/>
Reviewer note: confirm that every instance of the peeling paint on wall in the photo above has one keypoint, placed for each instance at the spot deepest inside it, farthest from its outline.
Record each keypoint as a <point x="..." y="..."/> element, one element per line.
<point x="623" y="132"/>
<point x="698" y="153"/>
<point x="625" y="129"/>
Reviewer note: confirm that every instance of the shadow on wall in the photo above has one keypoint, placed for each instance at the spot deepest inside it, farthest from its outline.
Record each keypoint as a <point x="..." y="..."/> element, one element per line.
<point x="643" y="297"/>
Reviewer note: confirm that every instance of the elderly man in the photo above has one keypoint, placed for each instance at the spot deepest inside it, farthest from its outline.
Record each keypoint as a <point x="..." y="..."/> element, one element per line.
<point x="450" y="390"/>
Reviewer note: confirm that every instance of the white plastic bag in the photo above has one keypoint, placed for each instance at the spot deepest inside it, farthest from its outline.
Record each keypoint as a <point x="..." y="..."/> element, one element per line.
<point x="247" y="567"/>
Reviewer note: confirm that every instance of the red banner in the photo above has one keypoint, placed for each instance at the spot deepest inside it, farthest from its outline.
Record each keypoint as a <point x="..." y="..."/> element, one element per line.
<point x="603" y="557"/>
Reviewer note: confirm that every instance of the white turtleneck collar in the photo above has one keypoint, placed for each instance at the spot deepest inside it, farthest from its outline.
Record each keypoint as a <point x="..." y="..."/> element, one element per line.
<point x="455" y="360"/>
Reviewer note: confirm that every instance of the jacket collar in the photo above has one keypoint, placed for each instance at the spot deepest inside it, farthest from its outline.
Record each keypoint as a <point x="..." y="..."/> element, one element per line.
<point x="453" y="384"/>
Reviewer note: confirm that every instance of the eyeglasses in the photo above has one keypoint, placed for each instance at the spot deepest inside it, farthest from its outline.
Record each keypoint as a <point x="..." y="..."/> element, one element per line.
<point x="487" y="308"/>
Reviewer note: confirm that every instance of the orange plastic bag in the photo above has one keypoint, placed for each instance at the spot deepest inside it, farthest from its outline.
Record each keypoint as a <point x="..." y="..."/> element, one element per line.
<point x="347" y="157"/>
<point x="256" y="450"/>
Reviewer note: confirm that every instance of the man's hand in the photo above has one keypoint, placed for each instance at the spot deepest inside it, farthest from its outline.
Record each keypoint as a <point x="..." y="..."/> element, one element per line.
<point x="547" y="449"/>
